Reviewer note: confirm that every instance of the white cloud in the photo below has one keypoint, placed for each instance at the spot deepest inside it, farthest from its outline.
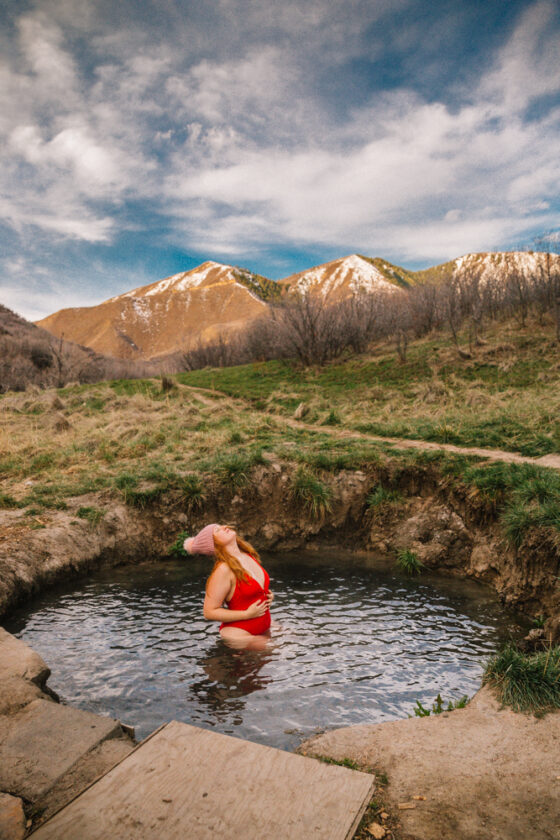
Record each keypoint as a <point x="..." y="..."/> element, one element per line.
<point x="42" y="46"/>
<point x="229" y="138"/>
<point x="529" y="64"/>
<point x="73" y="150"/>
<point x="31" y="290"/>
<point x="407" y="163"/>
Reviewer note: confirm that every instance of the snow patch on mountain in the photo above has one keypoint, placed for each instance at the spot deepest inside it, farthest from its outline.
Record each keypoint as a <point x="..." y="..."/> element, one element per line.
<point x="353" y="273"/>
<point x="498" y="266"/>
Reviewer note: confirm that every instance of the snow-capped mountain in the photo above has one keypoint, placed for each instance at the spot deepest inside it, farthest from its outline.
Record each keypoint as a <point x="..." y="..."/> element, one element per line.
<point x="215" y="300"/>
<point x="489" y="266"/>
<point x="349" y="275"/>
<point x="168" y="315"/>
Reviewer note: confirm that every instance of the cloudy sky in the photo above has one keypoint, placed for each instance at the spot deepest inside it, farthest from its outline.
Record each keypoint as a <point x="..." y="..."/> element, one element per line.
<point x="141" y="137"/>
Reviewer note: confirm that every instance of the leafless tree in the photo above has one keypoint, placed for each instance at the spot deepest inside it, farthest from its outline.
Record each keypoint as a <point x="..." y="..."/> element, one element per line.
<point x="547" y="284"/>
<point x="309" y="328"/>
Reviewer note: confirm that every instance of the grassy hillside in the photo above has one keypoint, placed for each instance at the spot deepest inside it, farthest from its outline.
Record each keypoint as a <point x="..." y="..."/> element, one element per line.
<point x="141" y="441"/>
<point x="29" y="355"/>
<point x="506" y="397"/>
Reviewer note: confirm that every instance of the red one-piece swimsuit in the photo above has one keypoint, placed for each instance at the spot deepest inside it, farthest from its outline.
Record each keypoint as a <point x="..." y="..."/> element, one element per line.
<point x="246" y="593"/>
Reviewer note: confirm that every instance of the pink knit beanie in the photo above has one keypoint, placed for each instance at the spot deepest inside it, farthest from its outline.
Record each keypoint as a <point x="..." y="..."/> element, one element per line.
<point x="203" y="543"/>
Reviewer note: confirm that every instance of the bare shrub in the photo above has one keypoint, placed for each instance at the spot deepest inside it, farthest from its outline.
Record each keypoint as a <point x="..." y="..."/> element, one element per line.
<point x="41" y="356"/>
<point x="223" y="352"/>
<point x="308" y="328"/>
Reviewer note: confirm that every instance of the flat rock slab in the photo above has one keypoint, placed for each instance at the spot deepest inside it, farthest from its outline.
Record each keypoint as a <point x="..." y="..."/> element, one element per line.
<point x="482" y="771"/>
<point x="82" y="774"/>
<point x="184" y="782"/>
<point x="42" y="742"/>
<point x="18" y="660"/>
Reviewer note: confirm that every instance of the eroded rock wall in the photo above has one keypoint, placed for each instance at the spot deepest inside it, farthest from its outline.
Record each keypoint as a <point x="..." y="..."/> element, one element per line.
<point x="445" y="532"/>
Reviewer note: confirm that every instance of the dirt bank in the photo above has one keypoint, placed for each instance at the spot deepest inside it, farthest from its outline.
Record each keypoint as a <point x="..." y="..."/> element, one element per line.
<point x="478" y="772"/>
<point x="448" y="531"/>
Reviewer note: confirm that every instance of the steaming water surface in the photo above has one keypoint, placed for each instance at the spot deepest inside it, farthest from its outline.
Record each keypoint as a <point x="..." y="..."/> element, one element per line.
<point x="355" y="643"/>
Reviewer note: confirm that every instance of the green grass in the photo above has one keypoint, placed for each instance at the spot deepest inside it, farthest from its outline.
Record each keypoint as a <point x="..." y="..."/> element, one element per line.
<point x="438" y="706"/>
<point x="309" y="491"/>
<point x="131" y="440"/>
<point x="408" y="561"/>
<point x="7" y="501"/>
<point x="341" y="762"/>
<point x="193" y="492"/>
<point x="506" y="400"/>
<point x="527" y="497"/>
<point x="234" y="470"/>
<point x="92" y="514"/>
<point x="382" y="496"/>
<point x="332" y="419"/>
<point x="526" y="682"/>
<point x="176" y="549"/>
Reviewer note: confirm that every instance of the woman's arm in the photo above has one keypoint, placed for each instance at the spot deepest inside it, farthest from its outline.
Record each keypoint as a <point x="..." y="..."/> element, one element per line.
<point x="218" y="588"/>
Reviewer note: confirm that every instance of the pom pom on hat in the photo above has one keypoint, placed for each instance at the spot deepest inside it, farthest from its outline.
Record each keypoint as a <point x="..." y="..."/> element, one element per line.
<point x="203" y="543"/>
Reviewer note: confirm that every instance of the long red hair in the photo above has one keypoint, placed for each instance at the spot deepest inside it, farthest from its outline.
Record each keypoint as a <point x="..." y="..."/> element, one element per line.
<point x="223" y="556"/>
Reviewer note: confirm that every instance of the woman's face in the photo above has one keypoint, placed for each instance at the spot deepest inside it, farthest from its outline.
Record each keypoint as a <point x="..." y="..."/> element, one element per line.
<point x="223" y="535"/>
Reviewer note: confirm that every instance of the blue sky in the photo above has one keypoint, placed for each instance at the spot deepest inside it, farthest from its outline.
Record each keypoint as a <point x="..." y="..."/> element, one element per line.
<point x="141" y="137"/>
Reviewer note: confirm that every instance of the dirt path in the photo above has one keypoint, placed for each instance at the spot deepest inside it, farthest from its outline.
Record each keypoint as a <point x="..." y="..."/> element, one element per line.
<point x="406" y="443"/>
<point x="552" y="460"/>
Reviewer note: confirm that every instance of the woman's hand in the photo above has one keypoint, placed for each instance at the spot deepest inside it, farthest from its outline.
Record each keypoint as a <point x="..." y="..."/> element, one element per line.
<point x="258" y="608"/>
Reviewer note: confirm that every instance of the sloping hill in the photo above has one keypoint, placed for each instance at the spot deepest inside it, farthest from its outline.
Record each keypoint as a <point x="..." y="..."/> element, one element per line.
<point x="29" y="355"/>
<point x="169" y="315"/>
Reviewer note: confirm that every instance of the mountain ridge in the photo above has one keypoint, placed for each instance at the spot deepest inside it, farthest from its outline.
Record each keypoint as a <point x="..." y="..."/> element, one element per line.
<point x="215" y="300"/>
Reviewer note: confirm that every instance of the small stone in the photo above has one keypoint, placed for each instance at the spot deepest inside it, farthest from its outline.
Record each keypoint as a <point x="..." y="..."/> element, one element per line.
<point x="376" y="831"/>
<point x="12" y="818"/>
<point x="166" y="800"/>
<point x="384" y="815"/>
<point x="422" y="798"/>
<point x="406" y="806"/>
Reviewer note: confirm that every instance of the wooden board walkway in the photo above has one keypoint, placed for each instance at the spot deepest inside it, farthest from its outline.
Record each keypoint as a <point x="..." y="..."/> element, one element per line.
<point x="186" y="783"/>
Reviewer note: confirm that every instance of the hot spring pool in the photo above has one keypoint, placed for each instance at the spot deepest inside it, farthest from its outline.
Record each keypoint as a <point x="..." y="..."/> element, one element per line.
<point x="356" y="642"/>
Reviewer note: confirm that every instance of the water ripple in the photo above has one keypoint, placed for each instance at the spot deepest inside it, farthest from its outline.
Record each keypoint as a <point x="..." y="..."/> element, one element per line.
<point x="354" y="647"/>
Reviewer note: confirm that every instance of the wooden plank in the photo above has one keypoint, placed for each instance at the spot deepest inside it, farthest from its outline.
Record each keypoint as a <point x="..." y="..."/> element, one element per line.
<point x="186" y="783"/>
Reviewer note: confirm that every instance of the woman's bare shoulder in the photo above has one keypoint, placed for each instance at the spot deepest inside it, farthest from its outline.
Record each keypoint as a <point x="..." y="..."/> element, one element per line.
<point x="222" y="572"/>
